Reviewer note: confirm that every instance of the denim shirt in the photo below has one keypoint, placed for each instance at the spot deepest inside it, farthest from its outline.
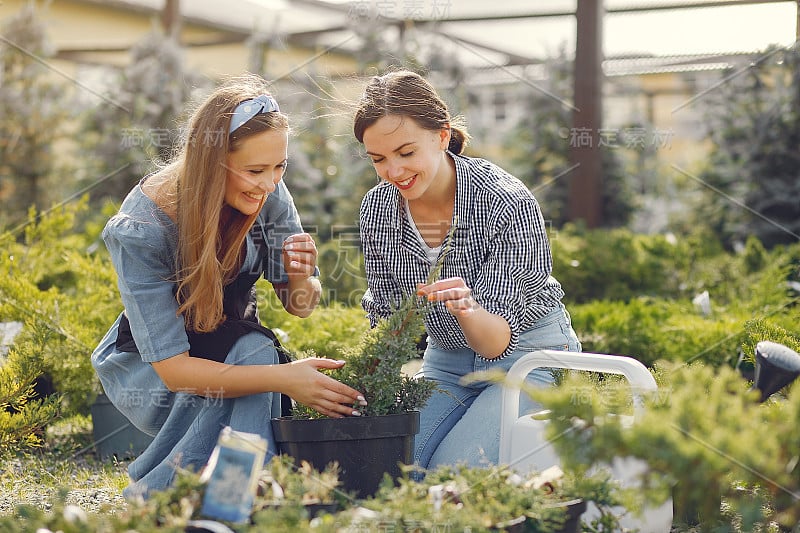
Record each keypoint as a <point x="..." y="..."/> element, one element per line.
<point x="499" y="247"/>
<point x="142" y="242"/>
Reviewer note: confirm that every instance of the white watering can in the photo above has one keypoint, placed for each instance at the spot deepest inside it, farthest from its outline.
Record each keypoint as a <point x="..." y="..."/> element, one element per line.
<point x="525" y="448"/>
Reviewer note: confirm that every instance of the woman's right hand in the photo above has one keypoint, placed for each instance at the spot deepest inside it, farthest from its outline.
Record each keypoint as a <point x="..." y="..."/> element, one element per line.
<point x="322" y="393"/>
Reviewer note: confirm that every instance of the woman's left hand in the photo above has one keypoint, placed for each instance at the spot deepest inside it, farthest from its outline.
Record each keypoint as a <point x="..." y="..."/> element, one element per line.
<point x="454" y="292"/>
<point x="299" y="256"/>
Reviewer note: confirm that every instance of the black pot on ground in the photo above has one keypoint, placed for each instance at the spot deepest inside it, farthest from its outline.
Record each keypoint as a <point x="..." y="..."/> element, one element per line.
<point x="365" y="447"/>
<point x="572" y="520"/>
<point x="113" y="433"/>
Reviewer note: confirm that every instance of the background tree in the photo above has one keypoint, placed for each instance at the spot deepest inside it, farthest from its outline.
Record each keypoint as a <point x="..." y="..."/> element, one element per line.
<point x="60" y="284"/>
<point x="33" y="112"/>
<point x="753" y="174"/>
<point x="135" y="128"/>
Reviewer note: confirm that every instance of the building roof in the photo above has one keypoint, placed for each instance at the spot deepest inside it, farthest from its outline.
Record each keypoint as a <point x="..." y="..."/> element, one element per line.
<point x="631" y="66"/>
<point x="513" y="37"/>
<point x="508" y="32"/>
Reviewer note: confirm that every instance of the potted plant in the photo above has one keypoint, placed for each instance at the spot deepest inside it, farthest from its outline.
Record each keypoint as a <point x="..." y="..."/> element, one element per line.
<point x="287" y="490"/>
<point x="494" y="498"/>
<point x="376" y="443"/>
<point x="727" y="461"/>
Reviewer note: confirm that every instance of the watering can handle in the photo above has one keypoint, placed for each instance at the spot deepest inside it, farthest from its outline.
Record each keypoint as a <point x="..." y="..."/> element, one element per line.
<point x="640" y="379"/>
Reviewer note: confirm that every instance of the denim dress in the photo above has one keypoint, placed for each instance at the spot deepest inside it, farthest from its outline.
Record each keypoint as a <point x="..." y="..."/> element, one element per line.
<point x="142" y="242"/>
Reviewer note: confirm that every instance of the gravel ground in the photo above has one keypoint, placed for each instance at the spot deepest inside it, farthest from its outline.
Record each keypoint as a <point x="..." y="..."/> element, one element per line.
<point x="43" y="478"/>
<point x="90" y="500"/>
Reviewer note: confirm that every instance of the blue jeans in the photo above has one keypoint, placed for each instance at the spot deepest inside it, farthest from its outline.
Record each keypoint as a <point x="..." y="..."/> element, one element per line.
<point x="460" y="424"/>
<point x="185" y="426"/>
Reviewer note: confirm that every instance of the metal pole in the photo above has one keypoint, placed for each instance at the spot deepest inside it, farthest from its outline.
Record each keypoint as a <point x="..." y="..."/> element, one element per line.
<point x="586" y="180"/>
<point x="797" y="23"/>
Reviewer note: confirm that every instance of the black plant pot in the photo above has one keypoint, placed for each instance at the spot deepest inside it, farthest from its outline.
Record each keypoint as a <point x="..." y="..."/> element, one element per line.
<point x="776" y="366"/>
<point x="572" y="520"/>
<point x="365" y="447"/>
<point x="113" y="434"/>
<point x="313" y="509"/>
<point x="316" y="509"/>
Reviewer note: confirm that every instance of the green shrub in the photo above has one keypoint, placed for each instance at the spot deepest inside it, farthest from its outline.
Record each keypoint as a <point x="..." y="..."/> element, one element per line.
<point x="622" y="328"/>
<point x="374" y="364"/>
<point x="617" y="264"/>
<point x="751" y="286"/>
<point x="650" y="329"/>
<point x="620" y="265"/>
<point x="329" y="331"/>
<point x="759" y="330"/>
<point x="22" y="416"/>
<point x="474" y="499"/>
<point x="485" y="499"/>
<point x="65" y="293"/>
<point x="341" y="266"/>
<point x="722" y="458"/>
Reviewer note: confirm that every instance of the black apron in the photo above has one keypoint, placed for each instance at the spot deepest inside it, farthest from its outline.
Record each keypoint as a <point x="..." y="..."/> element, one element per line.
<point x="241" y="312"/>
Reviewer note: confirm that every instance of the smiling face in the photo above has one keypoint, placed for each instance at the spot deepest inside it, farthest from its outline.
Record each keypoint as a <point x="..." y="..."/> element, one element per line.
<point x="254" y="169"/>
<point x="408" y="156"/>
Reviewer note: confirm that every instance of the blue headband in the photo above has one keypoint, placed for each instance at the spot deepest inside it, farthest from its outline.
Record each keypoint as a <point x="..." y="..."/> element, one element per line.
<point x="250" y="108"/>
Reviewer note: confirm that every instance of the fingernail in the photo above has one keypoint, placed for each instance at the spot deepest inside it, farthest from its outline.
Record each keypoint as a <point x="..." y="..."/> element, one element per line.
<point x="356" y="413"/>
<point x="341" y="361"/>
<point x="360" y="398"/>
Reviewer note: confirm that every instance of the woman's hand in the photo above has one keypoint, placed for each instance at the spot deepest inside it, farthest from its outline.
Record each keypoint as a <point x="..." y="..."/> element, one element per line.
<point x="299" y="256"/>
<point x="300" y="380"/>
<point x="302" y="292"/>
<point x="455" y="294"/>
<point x="486" y="333"/>
<point x="322" y="393"/>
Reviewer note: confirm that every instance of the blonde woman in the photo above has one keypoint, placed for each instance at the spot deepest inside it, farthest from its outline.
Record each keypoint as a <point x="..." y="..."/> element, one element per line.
<point x="188" y="355"/>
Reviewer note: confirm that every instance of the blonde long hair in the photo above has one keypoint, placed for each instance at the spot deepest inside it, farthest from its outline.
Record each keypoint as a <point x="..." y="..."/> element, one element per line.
<point x="210" y="233"/>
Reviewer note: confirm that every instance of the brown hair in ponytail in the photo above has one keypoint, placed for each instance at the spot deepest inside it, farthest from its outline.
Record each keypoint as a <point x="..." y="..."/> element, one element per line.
<point x="406" y="93"/>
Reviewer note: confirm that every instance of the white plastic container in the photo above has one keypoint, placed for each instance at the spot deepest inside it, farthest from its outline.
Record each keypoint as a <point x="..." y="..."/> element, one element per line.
<point x="523" y="444"/>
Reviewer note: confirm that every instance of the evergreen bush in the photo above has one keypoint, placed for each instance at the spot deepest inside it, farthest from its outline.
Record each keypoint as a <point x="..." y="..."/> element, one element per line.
<point x="66" y="295"/>
<point x="23" y="416"/>
<point x="650" y="329"/>
<point x="620" y="265"/>
<point x="751" y="181"/>
<point x="473" y="499"/>
<point x="724" y="459"/>
<point x="35" y="111"/>
<point x="374" y="365"/>
<point x="330" y="330"/>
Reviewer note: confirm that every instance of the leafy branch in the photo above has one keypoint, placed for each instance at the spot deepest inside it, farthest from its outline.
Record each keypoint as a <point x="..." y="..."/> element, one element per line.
<point x="375" y="365"/>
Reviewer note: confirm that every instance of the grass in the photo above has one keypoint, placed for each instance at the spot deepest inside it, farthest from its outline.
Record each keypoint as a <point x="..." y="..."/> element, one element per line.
<point x="64" y="465"/>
